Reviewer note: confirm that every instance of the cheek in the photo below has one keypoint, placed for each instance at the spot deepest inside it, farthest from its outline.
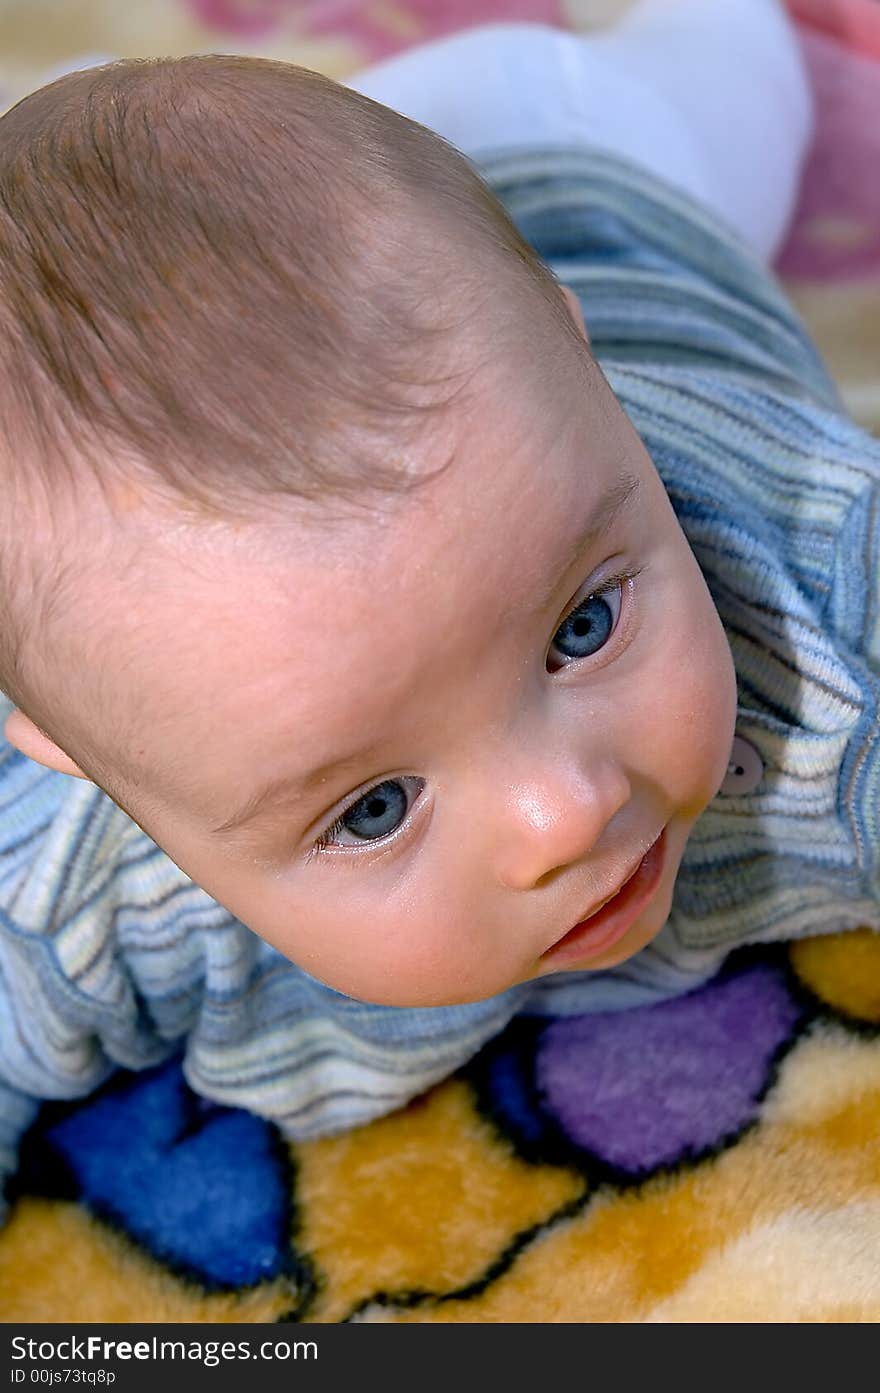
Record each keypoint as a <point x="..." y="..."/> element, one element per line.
<point x="703" y="713"/>
<point x="687" y="699"/>
<point x="377" y="950"/>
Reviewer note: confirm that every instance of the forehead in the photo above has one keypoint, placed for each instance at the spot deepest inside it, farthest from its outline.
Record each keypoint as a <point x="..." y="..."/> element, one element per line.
<point x="499" y="479"/>
<point x="254" y="643"/>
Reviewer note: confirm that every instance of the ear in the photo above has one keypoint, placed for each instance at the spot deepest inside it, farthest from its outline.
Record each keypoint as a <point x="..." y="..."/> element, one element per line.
<point x="21" y="732"/>
<point x="574" y="309"/>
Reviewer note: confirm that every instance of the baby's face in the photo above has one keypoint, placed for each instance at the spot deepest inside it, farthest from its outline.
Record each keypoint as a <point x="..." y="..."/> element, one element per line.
<point x="460" y="770"/>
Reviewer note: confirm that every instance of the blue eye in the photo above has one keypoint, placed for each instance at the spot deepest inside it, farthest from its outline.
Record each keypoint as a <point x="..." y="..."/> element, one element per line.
<point x="376" y="814"/>
<point x="588" y="627"/>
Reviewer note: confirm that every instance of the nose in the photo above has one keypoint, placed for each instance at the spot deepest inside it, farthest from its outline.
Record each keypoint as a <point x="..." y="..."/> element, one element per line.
<point x="553" y="814"/>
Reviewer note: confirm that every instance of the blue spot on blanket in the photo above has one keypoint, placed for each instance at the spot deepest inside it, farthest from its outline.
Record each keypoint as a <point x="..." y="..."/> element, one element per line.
<point x="204" y="1188"/>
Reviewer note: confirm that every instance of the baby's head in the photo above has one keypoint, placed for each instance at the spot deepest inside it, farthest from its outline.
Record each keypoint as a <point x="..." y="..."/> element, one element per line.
<point x="328" y="553"/>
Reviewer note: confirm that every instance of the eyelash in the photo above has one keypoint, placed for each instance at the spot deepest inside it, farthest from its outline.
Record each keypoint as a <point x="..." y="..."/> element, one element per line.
<point x="325" y="842"/>
<point x="620" y="578"/>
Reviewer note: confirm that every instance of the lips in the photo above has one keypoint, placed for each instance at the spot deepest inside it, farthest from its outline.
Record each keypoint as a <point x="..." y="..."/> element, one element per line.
<point x="611" y="919"/>
<point x="602" y="903"/>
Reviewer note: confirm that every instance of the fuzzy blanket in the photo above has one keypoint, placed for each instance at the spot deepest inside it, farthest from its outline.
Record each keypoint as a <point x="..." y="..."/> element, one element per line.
<point x="715" y="1158"/>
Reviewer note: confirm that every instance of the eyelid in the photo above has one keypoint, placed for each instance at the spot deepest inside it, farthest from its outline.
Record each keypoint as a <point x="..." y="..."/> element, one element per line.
<point x="623" y="577"/>
<point x="589" y="591"/>
<point x="319" y="846"/>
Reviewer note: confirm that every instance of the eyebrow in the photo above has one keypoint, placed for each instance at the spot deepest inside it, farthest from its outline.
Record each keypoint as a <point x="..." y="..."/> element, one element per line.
<point x="616" y="500"/>
<point x="279" y="791"/>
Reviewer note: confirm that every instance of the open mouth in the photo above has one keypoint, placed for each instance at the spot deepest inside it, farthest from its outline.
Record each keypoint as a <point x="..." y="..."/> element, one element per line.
<point x="609" y="923"/>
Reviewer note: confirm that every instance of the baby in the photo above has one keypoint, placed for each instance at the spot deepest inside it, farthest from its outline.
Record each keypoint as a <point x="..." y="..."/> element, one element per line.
<point x="412" y="669"/>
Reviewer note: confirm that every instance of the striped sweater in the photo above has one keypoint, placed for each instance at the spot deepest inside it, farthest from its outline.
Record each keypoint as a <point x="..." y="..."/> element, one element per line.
<point x="110" y="956"/>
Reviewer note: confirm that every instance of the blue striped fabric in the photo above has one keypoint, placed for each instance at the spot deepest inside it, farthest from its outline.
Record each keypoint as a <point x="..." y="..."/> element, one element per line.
<point x="110" y="956"/>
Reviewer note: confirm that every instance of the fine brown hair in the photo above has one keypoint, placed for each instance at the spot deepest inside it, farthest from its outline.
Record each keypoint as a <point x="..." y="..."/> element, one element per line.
<point x="228" y="279"/>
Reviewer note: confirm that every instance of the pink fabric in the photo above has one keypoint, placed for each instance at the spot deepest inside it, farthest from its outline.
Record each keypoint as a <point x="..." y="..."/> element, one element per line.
<point x="855" y="23"/>
<point x="836" y="230"/>
<point x="379" y="29"/>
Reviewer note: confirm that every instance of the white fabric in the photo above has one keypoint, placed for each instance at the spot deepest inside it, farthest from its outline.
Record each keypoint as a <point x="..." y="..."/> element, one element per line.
<point x="709" y="94"/>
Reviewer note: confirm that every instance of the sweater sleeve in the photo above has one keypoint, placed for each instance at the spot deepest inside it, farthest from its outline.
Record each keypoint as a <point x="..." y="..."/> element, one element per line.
<point x="854" y="613"/>
<point x="662" y="281"/>
<point x="55" y="1043"/>
<point x="17" y="1112"/>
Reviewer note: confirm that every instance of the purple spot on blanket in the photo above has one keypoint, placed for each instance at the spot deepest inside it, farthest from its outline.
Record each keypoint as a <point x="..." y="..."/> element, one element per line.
<point x="648" y="1087"/>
